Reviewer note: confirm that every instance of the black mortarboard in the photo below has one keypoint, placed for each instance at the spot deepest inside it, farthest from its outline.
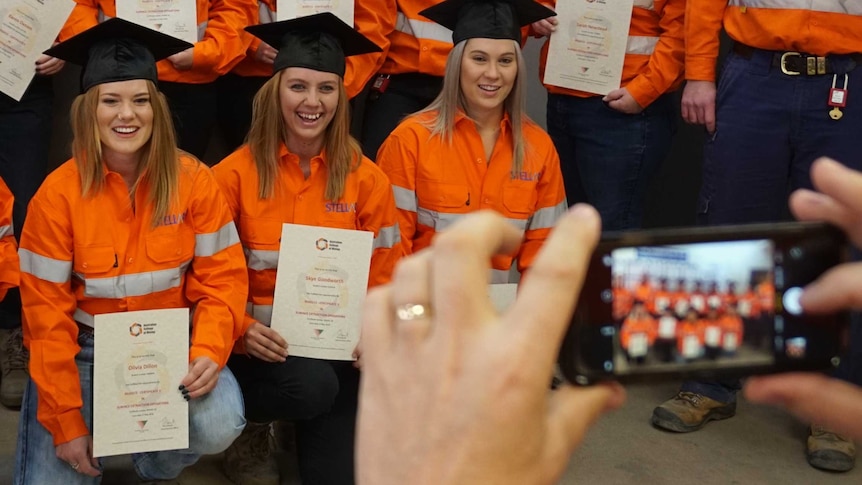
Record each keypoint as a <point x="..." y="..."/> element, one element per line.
<point x="486" y="19"/>
<point x="117" y="50"/>
<point x="320" y="42"/>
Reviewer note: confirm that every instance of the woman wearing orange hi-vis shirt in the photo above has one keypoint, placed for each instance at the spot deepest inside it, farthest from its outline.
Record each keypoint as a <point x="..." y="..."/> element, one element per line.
<point x="9" y="276"/>
<point x="474" y="148"/>
<point x="301" y="166"/>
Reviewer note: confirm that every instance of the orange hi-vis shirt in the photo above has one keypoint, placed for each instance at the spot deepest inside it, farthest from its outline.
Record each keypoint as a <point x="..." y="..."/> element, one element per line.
<point x="372" y="18"/>
<point x="623" y="302"/>
<point x="689" y="329"/>
<point x="659" y="301"/>
<point x="748" y="305"/>
<point x="632" y="325"/>
<point x="819" y="28"/>
<point x="84" y="256"/>
<point x="367" y="205"/>
<point x="9" y="273"/>
<point x="221" y="44"/>
<point x="655" y="51"/>
<point x="417" y="44"/>
<point x="643" y="292"/>
<point x="437" y="182"/>
<point x="731" y="324"/>
<point x="766" y="296"/>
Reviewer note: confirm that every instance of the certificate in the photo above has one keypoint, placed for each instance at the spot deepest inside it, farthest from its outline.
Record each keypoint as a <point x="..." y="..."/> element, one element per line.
<point x="320" y="289"/>
<point x="140" y="358"/>
<point x="177" y="18"/>
<point x="589" y="47"/>
<point x="27" y="28"/>
<point x="502" y="295"/>
<point x="291" y="9"/>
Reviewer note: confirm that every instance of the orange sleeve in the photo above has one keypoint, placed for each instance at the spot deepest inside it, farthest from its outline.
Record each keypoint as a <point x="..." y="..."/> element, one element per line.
<point x="377" y="213"/>
<point x="84" y="16"/>
<point x="666" y="64"/>
<point x="217" y="279"/>
<point x="225" y="42"/>
<point x="551" y="197"/>
<point x="397" y="158"/>
<point x="9" y="271"/>
<point x="703" y="20"/>
<point x="374" y="19"/>
<point x="48" y="303"/>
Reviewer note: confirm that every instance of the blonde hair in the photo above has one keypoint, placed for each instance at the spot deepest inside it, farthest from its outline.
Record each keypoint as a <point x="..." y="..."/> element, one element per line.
<point x="268" y="132"/>
<point x="159" y="167"/>
<point x="451" y="100"/>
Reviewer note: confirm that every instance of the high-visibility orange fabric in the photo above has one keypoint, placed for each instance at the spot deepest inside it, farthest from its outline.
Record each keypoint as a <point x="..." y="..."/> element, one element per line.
<point x="437" y="182"/>
<point x="643" y="292"/>
<point x="731" y="324"/>
<point x="222" y="46"/>
<point x="9" y="275"/>
<point x="688" y="328"/>
<point x="766" y="296"/>
<point x="70" y="242"/>
<point x="646" y="76"/>
<point x="374" y="19"/>
<point x="659" y="301"/>
<point x="796" y="27"/>
<point x="632" y="325"/>
<point x="623" y="301"/>
<point x="750" y="302"/>
<point x="416" y="52"/>
<point x="366" y="205"/>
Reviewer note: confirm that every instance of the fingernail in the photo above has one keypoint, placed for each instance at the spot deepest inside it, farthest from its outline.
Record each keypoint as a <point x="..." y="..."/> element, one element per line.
<point x="185" y="391"/>
<point x="186" y="397"/>
<point x="182" y="387"/>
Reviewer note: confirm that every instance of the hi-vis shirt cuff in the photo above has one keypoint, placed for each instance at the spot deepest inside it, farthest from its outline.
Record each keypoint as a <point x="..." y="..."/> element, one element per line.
<point x="422" y="29"/>
<point x="6" y="230"/>
<point x="45" y="268"/>
<point x="405" y="199"/>
<point x="547" y="217"/>
<point x="387" y="237"/>
<point x="211" y="243"/>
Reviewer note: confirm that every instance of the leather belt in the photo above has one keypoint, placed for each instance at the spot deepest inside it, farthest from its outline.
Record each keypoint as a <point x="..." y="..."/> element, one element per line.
<point x="797" y="63"/>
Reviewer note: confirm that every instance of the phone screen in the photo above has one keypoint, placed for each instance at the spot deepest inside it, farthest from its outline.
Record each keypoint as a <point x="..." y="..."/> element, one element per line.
<point x="704" y="308"/>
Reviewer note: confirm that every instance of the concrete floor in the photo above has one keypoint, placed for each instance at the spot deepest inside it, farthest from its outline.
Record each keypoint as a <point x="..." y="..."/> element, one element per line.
<point x="759" y="446"/>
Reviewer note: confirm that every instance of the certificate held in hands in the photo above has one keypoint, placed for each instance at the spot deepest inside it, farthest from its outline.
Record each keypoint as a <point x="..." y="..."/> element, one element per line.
<point x="177" y="18"/>
<point x="140" y="359"/>
<point x="319" y="290"/>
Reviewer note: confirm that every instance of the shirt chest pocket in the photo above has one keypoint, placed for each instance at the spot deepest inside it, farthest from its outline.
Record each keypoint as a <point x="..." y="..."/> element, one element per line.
<point x="442" y="196"/>
<point x="170" y="248"/>
<point x="94" y="260"/>
<point x="520" y="201"/>
<point x="259" y="232"/>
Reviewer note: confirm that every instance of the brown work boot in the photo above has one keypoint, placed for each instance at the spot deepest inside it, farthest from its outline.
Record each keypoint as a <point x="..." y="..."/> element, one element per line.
<point x="249" y="460"/>
<point x="829" y="451"/>
<point x="688" y="411"/>
<point x="13" y="367"/>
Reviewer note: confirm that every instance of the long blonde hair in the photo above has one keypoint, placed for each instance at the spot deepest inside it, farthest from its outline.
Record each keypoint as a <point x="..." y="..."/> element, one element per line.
<point x="451" y="100"/>
<point x="268" y="132"/>
<point x="159" y="167"/>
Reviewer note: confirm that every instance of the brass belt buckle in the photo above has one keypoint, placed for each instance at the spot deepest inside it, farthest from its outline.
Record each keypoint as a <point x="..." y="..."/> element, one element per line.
<point x="784" y="58"/>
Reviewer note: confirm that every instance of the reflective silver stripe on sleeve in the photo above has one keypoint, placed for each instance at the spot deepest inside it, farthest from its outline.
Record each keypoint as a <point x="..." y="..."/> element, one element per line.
<point x="45" y="268"/>
<point x="440" y="221"/>
<point x="387" y="237"/>
<point x="546" y="217"/>
<point x="213" y="242"/>
<point x="500" y="276"/>
<point x="641" y="45"/>
<point x="405" y="199"/>
<point x="266" y="14"/>
<point x="647" y="4"/>
<point x="259" y="259"/>
<point x="135" y="284"/>
<point x="6" y="230"/>
<point x="85" y="318"/>
<point x="852" y="7"/>
<point x="422" y="29"/>
<point x="261" y="313"/>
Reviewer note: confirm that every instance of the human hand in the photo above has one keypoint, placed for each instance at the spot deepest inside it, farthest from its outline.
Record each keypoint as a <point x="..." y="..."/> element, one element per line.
<point x="814" y="397"/>
<point x="444" y="388"/>
<point x="79" y="452"/>
<point x="48" y="66"/>
<point x="698" y="104"/>
<point x="264" y="343"/>
<point x="182" y="61"/>
<point x="201" y="379"/>
<point x="545" y="27"/>
<point x="265" y="53"/>
<point x="357" y="354"/>
<point x="622" y="101"/>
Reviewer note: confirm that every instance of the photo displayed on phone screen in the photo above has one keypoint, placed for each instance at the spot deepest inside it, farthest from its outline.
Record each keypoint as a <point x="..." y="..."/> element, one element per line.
<point x="693" y="305"/>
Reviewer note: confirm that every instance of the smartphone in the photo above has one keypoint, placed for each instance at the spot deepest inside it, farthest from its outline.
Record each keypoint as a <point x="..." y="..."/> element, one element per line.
<point x="705" y="303"/>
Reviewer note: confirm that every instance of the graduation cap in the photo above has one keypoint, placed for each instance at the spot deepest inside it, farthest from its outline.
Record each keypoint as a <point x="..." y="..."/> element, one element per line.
<point x="487" y="19"/>
<point x="320" y="42"/>
<point x="117" y="50"/>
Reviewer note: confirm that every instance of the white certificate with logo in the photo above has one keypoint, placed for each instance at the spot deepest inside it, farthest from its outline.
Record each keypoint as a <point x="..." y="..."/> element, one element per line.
<point x="320" y="288"/>
<point x="27" y="28"/>
<point x="140" y="359"/>
<point x="177" y="18"/>
<point x="588" y="49"/>
<point x="291" y="9"/>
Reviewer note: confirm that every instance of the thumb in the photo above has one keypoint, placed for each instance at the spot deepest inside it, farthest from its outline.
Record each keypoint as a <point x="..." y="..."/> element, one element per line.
<point x="572" y="410"/>
<point x="613" y="95"/>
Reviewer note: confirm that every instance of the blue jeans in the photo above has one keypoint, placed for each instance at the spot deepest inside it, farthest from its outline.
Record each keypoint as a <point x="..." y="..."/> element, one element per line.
<point x="608" y="158"/>
<point x="215" y="420"/>
<point x="770" y="127"/>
